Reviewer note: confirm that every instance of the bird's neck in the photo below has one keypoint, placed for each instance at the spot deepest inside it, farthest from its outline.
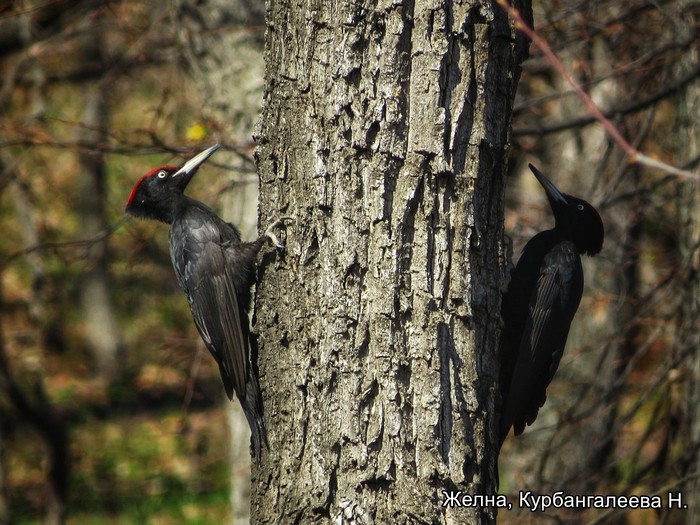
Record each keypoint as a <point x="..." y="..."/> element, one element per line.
<point x="548" y="239"/>
<point x="565" y="231"/>
<point x="169" y="209"/>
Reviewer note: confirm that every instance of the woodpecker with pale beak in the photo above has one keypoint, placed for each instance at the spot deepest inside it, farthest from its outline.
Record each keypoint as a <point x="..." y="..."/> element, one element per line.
<point x="215" y="271"/>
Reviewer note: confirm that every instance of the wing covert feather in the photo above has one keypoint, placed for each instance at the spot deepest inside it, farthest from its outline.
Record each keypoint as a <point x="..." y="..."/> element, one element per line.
<point x="206" y="279"/>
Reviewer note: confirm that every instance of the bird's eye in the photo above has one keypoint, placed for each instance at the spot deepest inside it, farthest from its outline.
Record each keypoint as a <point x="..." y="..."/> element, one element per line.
<point x="162" y="174"/>
<point x="580" y="207"/>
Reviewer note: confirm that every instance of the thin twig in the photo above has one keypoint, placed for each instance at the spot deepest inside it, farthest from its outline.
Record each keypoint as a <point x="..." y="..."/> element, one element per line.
<point x="633" y="155"/>
<point x="625" y="109"/>
<point x="81" y="243"/>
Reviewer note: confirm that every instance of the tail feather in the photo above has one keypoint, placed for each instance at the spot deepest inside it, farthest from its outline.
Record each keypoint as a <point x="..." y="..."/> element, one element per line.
<point x="252" y="408"/>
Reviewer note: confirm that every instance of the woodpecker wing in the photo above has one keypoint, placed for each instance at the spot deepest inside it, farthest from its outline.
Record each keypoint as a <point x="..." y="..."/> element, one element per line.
<point x="552" y="306"/>
<point x="202" y="271"/>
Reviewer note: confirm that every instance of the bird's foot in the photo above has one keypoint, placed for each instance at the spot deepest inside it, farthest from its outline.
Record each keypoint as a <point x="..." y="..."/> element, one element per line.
<point x="270" y="232"/>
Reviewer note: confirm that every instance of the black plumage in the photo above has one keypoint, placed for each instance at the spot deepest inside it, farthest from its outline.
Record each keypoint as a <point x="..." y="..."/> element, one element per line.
<point x="215" y="271"/>
<point x="543" y="295"/>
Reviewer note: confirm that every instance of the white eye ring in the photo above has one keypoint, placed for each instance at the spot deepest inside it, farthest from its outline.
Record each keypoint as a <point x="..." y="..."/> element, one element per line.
<point x="580" y="207"/>
<point x="162" y="174"/>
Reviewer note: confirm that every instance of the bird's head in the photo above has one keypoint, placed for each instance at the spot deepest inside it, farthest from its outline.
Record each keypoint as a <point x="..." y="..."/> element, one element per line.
<point x="575" y="216"/>
<point x="157" y="193"/>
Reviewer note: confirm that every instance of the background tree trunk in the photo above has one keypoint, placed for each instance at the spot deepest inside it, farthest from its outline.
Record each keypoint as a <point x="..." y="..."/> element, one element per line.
<point x="688" y="329"/>
<point x="222" y="42"/>
<point x="384" y="133"/>
<point x="4" y="511"/>
<point x="688" y="324"/>
<point x="101" y="327"/>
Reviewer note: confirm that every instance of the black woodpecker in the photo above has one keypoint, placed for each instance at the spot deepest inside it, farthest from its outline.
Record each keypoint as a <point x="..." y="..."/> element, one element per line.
<point x="543" y="295"/>
<point x="215" y="270"/>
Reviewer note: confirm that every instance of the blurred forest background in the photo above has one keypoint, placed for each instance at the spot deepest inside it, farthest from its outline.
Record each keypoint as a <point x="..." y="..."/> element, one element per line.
<point x="111" y="411"/>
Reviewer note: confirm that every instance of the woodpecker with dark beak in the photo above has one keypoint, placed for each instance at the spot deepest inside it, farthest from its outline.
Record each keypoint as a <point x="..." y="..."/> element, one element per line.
<point x="543" y="295"/>
<point x="215" y="270"/>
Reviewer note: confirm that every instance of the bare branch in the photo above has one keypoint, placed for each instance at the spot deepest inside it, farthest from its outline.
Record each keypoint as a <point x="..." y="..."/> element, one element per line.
<point x="81" y="243"/>
<point x="633" y="155"/>
<point x="625" y="109"/>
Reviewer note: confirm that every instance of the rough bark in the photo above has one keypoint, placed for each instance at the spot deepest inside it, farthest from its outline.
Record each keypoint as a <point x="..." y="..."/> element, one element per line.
<point x="384" y="134"/>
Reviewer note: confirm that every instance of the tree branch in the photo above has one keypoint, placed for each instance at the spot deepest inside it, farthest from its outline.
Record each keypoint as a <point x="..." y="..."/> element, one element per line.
<point x="625" y="109"/>
<point x="81" y="243"/>
<point x="633" y="155"/>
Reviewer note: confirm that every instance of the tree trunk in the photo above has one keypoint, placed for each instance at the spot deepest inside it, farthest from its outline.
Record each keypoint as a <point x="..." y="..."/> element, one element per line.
<point x="101" y="327"/>
<point x="224" y="53"/>
<point x="687" y="331"/>
<point x="384" y="134"/>
<point x="689" y="335"/>
<point x="4" y="511"/>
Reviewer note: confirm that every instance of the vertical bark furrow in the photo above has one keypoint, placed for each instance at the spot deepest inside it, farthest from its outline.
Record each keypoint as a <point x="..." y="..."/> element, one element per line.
<point x="379" y="131"/>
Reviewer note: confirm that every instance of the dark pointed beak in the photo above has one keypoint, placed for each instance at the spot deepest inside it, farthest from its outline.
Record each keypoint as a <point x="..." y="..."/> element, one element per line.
<point x="552" y="192"/>
<point x="189" y="168"/>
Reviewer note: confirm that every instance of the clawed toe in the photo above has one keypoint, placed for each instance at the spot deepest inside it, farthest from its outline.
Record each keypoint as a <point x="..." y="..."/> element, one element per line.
<point x="270" y="232"/>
